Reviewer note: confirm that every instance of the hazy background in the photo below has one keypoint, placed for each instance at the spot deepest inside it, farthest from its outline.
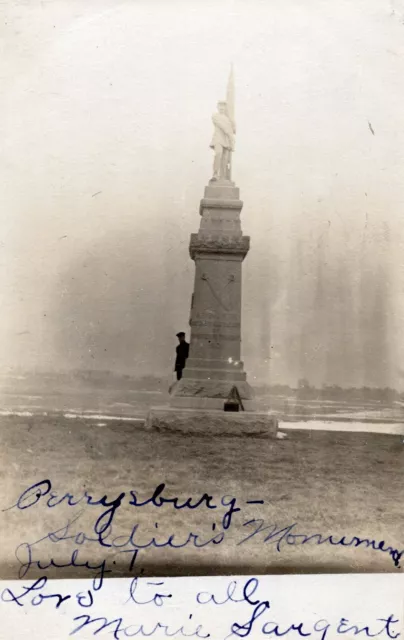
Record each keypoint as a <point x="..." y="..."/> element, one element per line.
<point x="105" y="123"/>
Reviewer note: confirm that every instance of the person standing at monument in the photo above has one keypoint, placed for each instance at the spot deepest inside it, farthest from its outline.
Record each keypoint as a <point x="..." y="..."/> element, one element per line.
<point x="182" y="354"/>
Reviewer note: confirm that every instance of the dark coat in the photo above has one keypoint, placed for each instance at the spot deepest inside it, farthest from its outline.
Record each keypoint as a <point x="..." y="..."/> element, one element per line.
<point x="182" y="355"/>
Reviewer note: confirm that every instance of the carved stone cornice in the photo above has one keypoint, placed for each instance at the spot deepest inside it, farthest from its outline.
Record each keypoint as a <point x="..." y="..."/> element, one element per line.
<point x="216" y="203"/>
<point x="222" y="244"/>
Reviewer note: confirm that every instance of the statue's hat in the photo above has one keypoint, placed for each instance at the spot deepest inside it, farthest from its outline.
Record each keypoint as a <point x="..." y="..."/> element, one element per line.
<point x="180" y="334"/>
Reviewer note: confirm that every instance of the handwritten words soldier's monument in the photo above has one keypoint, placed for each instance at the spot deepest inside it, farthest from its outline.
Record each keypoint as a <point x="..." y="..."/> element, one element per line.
<point x="213" y="394"/>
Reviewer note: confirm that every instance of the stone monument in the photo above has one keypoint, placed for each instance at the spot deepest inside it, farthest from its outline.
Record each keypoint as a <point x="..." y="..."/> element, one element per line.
<point x="213" y="394"/>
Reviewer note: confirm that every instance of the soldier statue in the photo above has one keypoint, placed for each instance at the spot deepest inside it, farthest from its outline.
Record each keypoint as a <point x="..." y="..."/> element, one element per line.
<point x="222" y="142"/>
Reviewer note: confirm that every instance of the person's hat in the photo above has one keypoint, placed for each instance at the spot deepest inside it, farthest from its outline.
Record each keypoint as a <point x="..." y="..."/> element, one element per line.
<point x="180" y="334"/>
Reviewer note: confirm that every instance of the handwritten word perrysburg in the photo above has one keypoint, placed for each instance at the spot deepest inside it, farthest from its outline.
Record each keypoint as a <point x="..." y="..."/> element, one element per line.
<point x="255" y="614"/>
<point x="43" y="489"/>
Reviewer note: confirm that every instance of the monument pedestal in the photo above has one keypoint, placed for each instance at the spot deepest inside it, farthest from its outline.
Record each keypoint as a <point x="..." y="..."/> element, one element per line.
<point x="214" y="369"/>
<point x="213" y="396"/>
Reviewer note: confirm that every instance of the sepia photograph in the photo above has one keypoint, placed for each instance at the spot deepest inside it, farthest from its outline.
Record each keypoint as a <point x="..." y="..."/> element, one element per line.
<point x="202" y="290"/>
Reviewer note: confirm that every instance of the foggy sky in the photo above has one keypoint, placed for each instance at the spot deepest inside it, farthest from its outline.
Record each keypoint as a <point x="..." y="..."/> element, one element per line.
<point x="105" y="123"/>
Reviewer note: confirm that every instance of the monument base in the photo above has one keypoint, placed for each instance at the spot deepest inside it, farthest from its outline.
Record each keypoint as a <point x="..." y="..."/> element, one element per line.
<point x="212" y="422"/>
<point x="208" y="394"/>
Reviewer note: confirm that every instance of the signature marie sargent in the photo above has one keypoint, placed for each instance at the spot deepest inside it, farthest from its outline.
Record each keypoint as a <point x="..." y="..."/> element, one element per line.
<point x="253" y="608"/>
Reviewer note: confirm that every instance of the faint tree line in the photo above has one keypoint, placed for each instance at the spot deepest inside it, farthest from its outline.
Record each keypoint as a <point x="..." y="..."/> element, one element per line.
<point x="306" y="391"/>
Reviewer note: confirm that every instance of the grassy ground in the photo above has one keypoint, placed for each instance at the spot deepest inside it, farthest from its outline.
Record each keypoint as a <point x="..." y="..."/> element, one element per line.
<point x="329" y="483"/>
